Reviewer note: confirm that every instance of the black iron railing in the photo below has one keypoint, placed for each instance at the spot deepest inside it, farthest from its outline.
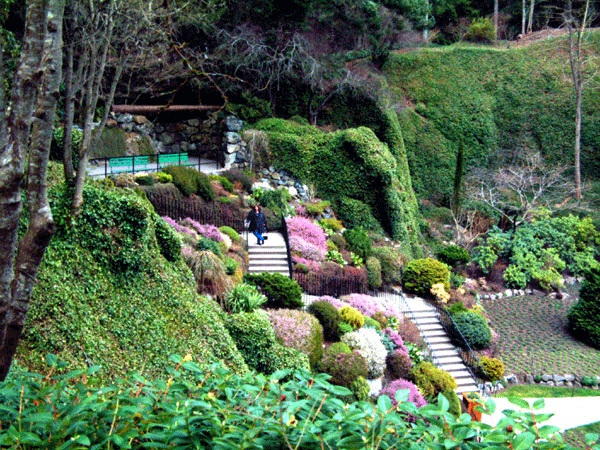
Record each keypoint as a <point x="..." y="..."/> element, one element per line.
<point x="286" y="238"/>
<point x="464" y="349"/>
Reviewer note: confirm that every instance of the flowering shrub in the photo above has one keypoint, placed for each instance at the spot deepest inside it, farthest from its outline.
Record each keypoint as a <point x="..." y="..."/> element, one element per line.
<point x="370" y="305"/>
<point x="299" y="330"/>
<point x="334" y="301"/>
<point x="313" y="266"/>
<point x="398" y="365"/>
<point x="208" y="231"/>
<point x="414" y="396"/>
<point x="367" y="342"/>
<point x="396" y="339"/>
<point x="440" y="293"/>
<point x="306" y="249"/>
<point x="188" y="235"/>
<point x="308" y="231"/>
<point x="343" y="367"/>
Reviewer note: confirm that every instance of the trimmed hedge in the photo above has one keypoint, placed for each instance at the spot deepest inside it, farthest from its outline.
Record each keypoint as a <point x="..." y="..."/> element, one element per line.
<point x="420" y="274"/>
<point x="474" y="328"/>
<point x="329" y="318"/>
<point x="281" y="291"/>
<point x="583" y="316"/>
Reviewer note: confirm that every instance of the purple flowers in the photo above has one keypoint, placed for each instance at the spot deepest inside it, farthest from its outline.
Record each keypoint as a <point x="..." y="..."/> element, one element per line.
<point x="307" y="239"/>
<point x="396" y="339"/>
<point x="208" y="231"/>
<point x="369" y="305"/>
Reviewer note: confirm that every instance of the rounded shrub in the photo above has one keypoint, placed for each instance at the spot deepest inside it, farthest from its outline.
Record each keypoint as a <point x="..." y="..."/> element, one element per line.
<point x="455" y="406"/>
<point x="398" y="365"/>
<point x="474" y="329"/>
<point x="352" y="316"/>
<point x="359" y="242"/>
<point x="281" y="357"/>
<point x="209" y="245"/>
<point x="431" y="380"/>
<point x="281" y="291"/>
<point x="360" y="388"/>
<point x="339" y="347"/>
<point x="368" y="343"/>
<point x="372" y="323"/>
<point x="344" y="368"/>
<point x="228" y="231"/>
<point x="254" y="336"/>
<point x="168" y="240"/>
<point x="329" y="318"/>
<point x="239" y="177"/>
<point x="494" y="368"/>
<point x="299" y="330"/>
<point x="453" y="255"/>
<point x="583" y="316"/>
<point x="392" y="260"/>
<point x="420" y="274"/>
<point x="345" y="328"/>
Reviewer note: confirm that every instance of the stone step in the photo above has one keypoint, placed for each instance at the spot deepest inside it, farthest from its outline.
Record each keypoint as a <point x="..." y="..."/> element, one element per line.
<point x="446" y="353"/>
<point x="462" y="374"/>
<point x="433" y="333"/>
<point x="274" y="257"/>
<point x="453" y="366"/>
<point x="448" y="359"/>
<point x="438" y="340"/>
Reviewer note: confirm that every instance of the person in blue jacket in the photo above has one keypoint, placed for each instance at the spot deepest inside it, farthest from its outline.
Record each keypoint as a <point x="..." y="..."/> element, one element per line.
<point x="257" y="223"/>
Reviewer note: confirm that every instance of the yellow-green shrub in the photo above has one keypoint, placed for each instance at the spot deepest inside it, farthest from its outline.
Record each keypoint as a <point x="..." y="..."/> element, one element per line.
<point x="494" y="368"/>
<point x="431" y="380"/>
<point x="352" y="316"/>
<point x="420" y="274"/>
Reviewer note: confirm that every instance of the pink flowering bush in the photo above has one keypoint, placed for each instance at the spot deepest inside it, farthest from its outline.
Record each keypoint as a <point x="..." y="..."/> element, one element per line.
<point x="299" y="330"/>
<point x="313" y="266"/>
<point x="396" y="339"/>
<point x="306" y="249"/>
<point x="208" y="231"/>
<point x="369" y="305"/>
<point x="189" y="236"/>
<point x="414" y="396"/>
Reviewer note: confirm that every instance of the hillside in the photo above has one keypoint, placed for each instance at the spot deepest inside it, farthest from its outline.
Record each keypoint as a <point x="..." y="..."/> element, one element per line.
<point x="106" y="294"/>
<point x="495" y="102"/>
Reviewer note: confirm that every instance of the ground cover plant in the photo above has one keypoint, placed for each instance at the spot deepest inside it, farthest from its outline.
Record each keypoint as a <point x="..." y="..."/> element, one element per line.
<point x="533" y="336"/>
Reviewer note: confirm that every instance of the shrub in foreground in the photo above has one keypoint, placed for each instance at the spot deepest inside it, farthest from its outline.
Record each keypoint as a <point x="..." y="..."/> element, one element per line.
<point x="281" y="291"/>
<point x="583" y="316"/>
<point x="474" y="328"/>
<point x="344" y="368"/>
<point x="225" y="408"/>
<point x="431" y="380"/>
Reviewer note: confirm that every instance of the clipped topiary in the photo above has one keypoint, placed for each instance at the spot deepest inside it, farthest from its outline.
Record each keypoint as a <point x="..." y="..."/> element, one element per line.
<point x="344" y="368"/>
<point x="281" y="291"/>
<point x="431" y="380"/>
<point x="352" y="316"/>
<point x="453" y="255"/>
<point x="493" y="368"/>
<point x="474" y="329"/>
<point x="360" y="388"/>
<point x="583" y="316"/>
<point x="329" y="318"/>
<point x="281" y="357"/>
<point x="420" y="274"/>
<point x="345" y="328"/>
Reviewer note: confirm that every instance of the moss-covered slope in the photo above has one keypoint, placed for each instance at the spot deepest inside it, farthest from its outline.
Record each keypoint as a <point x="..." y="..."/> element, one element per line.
<point x="105" y="295"/>
<point x="365" y="174"/>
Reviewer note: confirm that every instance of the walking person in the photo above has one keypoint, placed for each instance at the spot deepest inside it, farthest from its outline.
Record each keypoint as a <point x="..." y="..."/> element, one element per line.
<point x="257" y="223"/>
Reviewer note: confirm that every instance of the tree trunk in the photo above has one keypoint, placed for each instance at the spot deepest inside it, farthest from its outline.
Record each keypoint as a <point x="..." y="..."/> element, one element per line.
<point x="496" y="18"/>
<point x="69" y="115"/>
<point x="530" y="21"/>
<point x="523" y="16"/>
<point x="36" y="83"/>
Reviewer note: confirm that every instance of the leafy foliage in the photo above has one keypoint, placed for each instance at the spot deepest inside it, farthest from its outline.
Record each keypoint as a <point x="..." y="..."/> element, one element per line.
<point x="243" y="298"/>
<point x="329" y="318"/>
<point x="493" y="368"/>
<point x="352" y="316"/>
<point x="453" y="255"/>
<point x="190" y="181"/>
<point x="358" y="241"/>
<point x="431" y="380"/>
<point x="344" y="367"/>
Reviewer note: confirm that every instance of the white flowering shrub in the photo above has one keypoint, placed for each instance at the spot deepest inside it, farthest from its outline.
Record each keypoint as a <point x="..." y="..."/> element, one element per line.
<point x="368" y="343"/>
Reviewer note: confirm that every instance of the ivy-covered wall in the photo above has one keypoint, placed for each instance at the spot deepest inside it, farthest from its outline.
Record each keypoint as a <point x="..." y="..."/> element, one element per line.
<point x="366" y="176"/>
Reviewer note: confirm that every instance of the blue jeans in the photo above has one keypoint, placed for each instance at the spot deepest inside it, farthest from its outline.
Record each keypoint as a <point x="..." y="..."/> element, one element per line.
<point x="258" y="235"/>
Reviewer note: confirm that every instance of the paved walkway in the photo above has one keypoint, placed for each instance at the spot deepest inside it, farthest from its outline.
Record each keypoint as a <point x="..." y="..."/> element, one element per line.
<point x="569" y="412"/>
<point x="205" y="165"/>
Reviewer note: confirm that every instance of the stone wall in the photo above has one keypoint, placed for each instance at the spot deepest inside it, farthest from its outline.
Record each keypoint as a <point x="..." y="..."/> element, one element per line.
<point x="210" y="138"/>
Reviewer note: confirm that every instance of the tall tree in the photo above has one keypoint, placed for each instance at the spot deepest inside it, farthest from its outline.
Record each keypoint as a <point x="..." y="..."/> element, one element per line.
<point x="576" y="27"/>
<point x="24" y="148"/>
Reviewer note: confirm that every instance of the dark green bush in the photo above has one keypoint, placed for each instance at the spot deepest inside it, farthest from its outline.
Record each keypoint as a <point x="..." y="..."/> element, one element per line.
<point x="456" y="308"/>
<point x="420" y="274"/>
<point x="455" y="406"/>
<point x="231" y="265"/>
<point x="281" y="291"/>
<point x="355" y="213"/>
<point x="481" y="30"/>
<point x="281" y="358"/>
<point x="190" y="181"/>
<point x="167" y="239"/>
<point x="238" y="176"/>
<point x="360" y="388"/>
<point x="431" y="380"/>
<point x="359" y="242"/>
<point x="343" y="367"/>
<point x="224" y="181"/>
<point x="210" y="245"/>
<point x="583" y="316"/>
<point x="329" y="318"/>
<point x="144" y="180"/>
<point x="474" y="328"/>
<point x="276" y="200"/>
<point x="453" y="255"/>
<point x="345" y="327"/>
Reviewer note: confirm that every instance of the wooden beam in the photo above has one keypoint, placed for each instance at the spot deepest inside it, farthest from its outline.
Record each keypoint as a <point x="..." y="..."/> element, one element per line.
<point x="146" y="109"/>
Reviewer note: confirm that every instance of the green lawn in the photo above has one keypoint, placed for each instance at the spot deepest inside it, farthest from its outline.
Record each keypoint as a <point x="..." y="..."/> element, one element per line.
<point x="540" y="391"/>
<point x="533" y="337"/>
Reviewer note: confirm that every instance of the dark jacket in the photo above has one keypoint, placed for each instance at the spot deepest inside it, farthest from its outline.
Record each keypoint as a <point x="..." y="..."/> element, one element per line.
<point x="256" y="221"/>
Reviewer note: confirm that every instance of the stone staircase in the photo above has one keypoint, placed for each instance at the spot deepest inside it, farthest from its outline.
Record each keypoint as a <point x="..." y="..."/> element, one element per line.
<point x="443" y="353"/>
<point x="269" y="257"/>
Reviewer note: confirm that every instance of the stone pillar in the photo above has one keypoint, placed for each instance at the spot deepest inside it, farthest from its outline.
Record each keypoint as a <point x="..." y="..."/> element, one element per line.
<point x="232" y="141"/>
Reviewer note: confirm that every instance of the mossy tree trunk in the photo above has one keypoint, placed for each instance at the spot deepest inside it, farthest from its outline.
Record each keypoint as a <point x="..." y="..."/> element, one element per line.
<point x="29" y="126"/>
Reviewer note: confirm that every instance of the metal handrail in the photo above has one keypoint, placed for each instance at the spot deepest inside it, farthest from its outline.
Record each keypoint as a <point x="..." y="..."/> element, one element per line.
<point x="286" y="239"/>
<point x="465" y="351"/>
